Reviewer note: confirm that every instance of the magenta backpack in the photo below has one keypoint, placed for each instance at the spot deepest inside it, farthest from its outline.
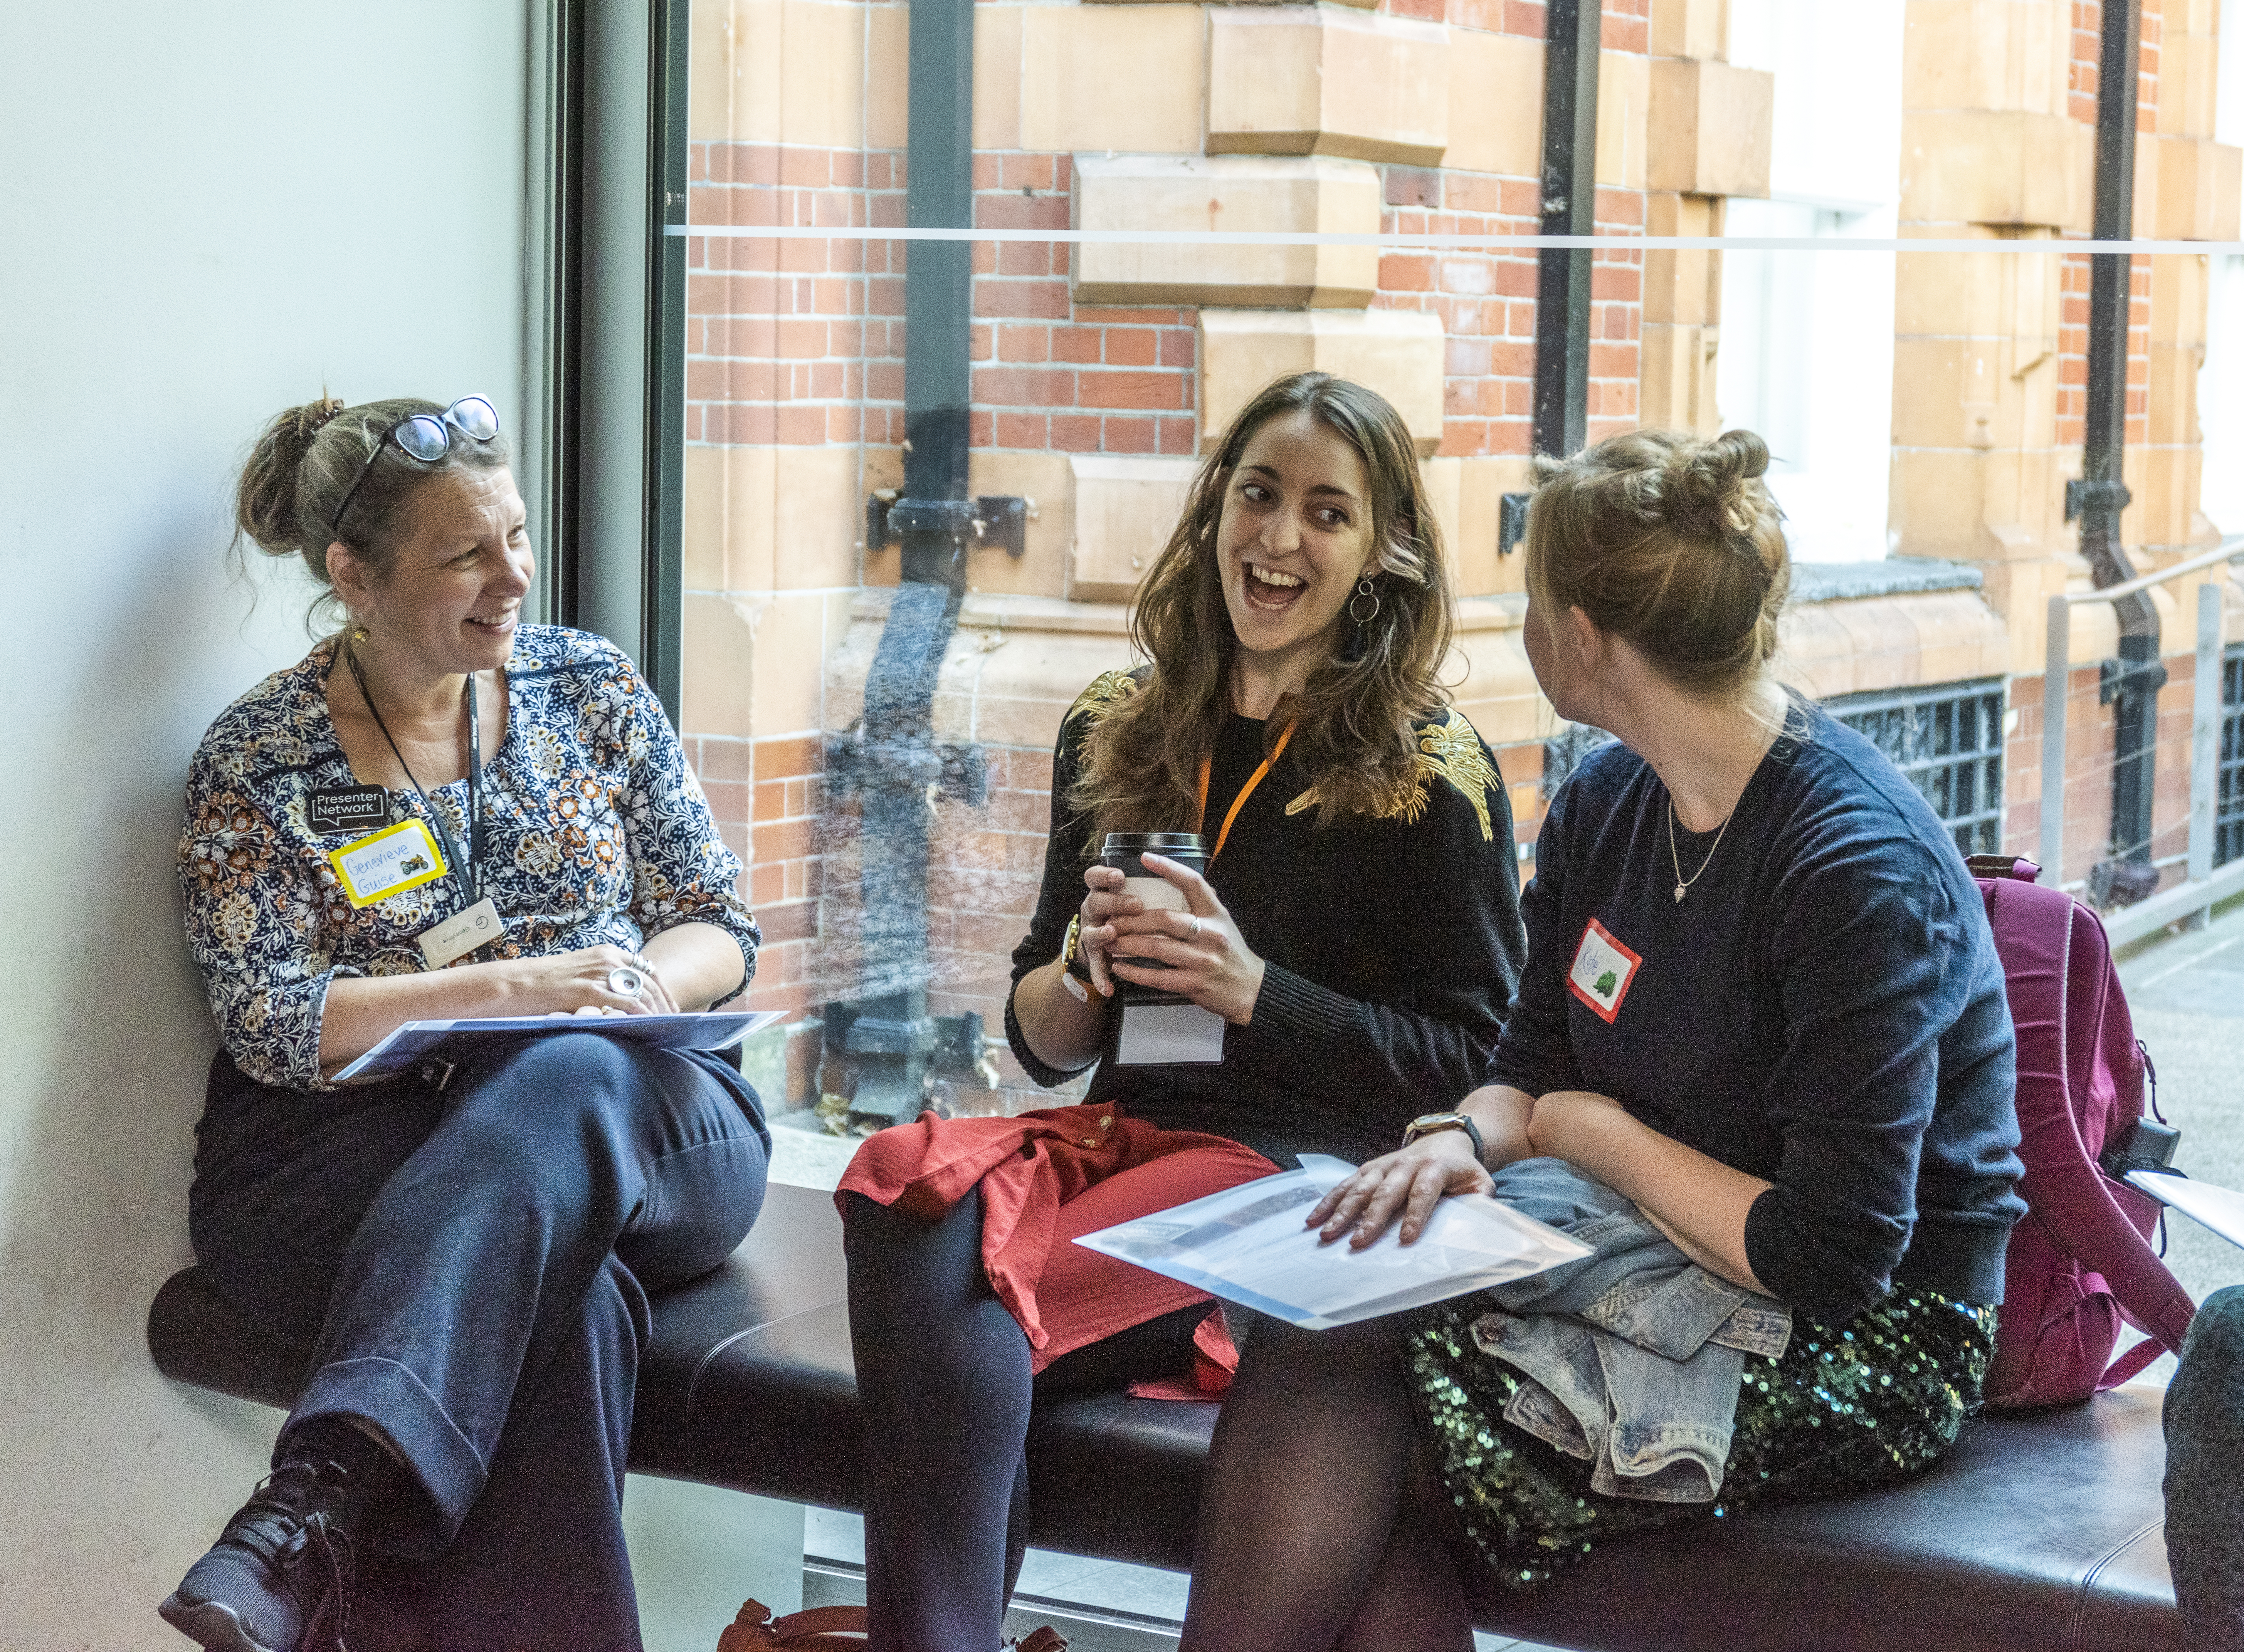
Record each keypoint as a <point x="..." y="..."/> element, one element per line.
<point x="2080" y="1265"/>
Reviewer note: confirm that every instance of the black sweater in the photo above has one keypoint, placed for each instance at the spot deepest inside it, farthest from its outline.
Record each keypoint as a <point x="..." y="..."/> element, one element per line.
<point x="1824" y="1009"/>
<point x="1391" y="947"/>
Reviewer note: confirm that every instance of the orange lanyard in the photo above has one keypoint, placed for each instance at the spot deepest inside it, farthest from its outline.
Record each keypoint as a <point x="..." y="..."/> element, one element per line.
<point x="1207" y="763"/>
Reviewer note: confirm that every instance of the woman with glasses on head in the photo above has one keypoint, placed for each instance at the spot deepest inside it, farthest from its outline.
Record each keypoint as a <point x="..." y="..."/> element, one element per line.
<point x="443" y="813"/>
<point x="1347" y="954"/>
<point x="1762" y="1033"/>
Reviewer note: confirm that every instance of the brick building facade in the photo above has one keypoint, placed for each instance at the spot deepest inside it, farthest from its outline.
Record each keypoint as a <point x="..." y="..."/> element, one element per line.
<point x="1102" y="370"/>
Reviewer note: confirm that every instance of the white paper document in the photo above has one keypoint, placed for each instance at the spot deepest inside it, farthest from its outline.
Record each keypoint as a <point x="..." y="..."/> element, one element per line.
<point x="2218" y="1208"/>
<point x="711" y="1029"/>
<point x="1247" y="1245"/>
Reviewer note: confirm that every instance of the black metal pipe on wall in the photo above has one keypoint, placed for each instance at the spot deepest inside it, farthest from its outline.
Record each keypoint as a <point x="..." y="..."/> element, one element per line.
<point x="2131" y="683"/>
<point x="1572" y="30"/>
<point x="885" y="1038"/>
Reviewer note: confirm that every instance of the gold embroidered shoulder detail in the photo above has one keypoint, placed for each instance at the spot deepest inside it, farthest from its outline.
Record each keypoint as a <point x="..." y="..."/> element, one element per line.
<point x="1447" y="751"/>
<point x="1106" y="691"/>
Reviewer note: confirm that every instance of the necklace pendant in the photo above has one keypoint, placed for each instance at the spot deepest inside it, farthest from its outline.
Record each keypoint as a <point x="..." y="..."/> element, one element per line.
<point x="1679" y="891"/>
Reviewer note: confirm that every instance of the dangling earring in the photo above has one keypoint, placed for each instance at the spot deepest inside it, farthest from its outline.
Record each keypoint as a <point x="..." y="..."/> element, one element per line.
<point x="1361" y="641"/>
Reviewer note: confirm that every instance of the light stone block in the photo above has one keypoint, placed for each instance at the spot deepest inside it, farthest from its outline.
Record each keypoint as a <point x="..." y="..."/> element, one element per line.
<point x="2188" y="83"/>
<point x="996" y="77"/>
<point x="1868" y="643"/>
<point x="2180" y="294"/>
<point x="1995" y="293"/>
<point x="1988" y="55"/>
<point x="1466" y="495"/>
<point x="1683" y="288"/>
<point x="1125" y="78"/>
<point x="1042" y="479"/>
<point x="1983" y="166"/>
<point x="1398" y="352"/>
<point x="1966" y="393"/>
<point x="789" y="71"/>
<point x="1624" y="118"/>
<point x="1125" y="508"/>
<point x="1691" y="29"/>
<point x="888" y="77"/>
<point x="1496" y="104"/>
<point x="754" y="666"/>
<point x="1242" y="193"/>
<point x="1711" y="128"/>
<point x="1299" y="80"/>
<point x="766" y="518"/>
<point x="2187" y="189"/>
<point x="1676" y="378"/>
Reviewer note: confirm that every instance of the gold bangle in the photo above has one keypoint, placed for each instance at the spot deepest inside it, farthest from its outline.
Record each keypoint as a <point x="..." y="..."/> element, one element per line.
<point x="1070" y="951"/>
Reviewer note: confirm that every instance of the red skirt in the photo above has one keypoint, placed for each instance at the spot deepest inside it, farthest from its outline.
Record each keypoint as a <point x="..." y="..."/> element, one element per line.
<point x="1047" y="1177"/>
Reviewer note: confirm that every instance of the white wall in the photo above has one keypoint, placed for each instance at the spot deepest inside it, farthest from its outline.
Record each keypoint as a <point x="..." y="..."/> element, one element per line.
<point x="1807" y="342"/>
<point x="212" y="211"/>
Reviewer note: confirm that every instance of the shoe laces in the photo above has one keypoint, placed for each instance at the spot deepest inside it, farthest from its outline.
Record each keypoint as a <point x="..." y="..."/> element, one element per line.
<point x="290" y="1523"/>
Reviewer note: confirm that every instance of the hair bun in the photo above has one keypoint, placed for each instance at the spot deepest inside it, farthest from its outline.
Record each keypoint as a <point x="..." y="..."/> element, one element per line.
<point x="1715" y="486"/>
<point x="314" y="414"/>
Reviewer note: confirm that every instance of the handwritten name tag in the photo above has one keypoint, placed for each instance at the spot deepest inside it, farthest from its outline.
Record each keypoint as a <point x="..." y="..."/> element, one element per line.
<point x="387" y="862"/>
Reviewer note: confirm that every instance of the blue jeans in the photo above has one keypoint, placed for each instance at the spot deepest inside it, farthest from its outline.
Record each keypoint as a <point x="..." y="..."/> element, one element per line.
<point x="470" y="1267"/>
<point x="2205" y="1477"/>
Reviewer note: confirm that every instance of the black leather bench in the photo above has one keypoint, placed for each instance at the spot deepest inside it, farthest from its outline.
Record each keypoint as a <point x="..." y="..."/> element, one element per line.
<point x="2035" y="1532"/>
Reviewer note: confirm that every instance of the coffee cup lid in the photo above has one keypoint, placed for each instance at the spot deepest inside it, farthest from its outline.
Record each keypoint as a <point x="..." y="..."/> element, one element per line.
<point x="1169" y="843"/>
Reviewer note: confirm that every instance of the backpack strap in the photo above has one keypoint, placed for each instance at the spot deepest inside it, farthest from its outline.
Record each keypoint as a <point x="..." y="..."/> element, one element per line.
<point x="2063" y="1185"/>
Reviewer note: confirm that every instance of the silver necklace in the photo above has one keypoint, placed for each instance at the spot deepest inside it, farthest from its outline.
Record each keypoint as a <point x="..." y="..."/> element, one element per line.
<point x="1683" y="884"/>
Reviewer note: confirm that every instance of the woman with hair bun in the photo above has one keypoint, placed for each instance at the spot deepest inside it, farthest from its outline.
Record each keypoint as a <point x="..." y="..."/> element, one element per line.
<point x="1762" y="1020"/>
<point x="442" y="812"/>
<point x="1347" y="952"/>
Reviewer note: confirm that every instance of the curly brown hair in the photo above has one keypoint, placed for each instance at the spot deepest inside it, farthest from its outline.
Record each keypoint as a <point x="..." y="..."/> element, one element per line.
<point x="1353" y="734"/>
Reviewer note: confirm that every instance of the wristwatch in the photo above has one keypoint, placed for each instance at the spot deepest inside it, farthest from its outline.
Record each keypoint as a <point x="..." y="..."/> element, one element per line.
<point x="1071" y="950"/>
<point x="1427" y="1123"/>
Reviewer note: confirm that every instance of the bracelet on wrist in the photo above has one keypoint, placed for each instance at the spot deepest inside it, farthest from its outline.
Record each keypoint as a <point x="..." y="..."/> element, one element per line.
<point x="1071" y="952"/>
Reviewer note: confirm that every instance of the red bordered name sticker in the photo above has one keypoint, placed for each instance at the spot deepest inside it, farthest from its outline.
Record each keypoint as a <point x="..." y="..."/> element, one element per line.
<point x="1603" y="969"/>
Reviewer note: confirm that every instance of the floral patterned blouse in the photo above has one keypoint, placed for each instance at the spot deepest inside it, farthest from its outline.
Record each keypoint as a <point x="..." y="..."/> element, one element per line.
<point x="594" y="831"/>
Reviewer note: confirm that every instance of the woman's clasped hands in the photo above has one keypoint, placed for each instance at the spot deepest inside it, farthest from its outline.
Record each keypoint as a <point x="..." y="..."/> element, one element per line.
<point x="1196" y="953"/>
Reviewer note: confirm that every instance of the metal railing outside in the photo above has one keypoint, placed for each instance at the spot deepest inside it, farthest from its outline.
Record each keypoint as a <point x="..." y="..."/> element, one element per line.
<point x="2228" y="817"/>
<point x="2213" y="782"/>
<point x="1947" y="737"/>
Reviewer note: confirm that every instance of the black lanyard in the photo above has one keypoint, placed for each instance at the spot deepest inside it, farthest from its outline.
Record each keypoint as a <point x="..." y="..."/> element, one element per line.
<point x="470" y="872"/>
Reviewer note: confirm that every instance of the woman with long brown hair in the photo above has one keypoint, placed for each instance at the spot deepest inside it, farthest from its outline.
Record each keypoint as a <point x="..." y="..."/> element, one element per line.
<point x="1349" y="951"/>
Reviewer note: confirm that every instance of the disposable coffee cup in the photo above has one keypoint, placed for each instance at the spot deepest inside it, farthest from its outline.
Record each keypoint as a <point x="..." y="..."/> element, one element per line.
<point x="1126" y="852"/>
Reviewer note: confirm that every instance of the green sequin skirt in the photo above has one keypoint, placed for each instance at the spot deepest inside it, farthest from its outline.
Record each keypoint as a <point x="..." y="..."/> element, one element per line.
<point x="1840" y="1411"/>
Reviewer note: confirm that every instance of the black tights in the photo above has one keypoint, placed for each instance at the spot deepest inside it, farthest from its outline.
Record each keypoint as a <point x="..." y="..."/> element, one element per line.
<point x="1318" y="1526"/>
<point x="945" y="1388"/>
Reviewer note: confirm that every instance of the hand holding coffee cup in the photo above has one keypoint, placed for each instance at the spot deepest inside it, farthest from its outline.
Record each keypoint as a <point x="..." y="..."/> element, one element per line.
<point x="1180" y="945"/>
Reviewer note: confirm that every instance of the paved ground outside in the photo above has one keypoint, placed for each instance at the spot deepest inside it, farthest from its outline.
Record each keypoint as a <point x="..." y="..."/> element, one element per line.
<point x="2186" y="995"/>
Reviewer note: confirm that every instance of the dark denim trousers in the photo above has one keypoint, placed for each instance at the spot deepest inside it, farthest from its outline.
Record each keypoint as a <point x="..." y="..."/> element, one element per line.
<point x="471" y="1266"/>
<point x="2205" y="1477"/>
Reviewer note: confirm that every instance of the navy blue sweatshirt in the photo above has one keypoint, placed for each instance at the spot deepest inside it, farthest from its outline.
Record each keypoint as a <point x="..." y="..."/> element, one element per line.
<point x="1824" y="1009"/>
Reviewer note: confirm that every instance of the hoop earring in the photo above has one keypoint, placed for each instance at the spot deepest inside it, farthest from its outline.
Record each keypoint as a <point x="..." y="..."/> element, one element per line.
<point x="1359" y="641"/>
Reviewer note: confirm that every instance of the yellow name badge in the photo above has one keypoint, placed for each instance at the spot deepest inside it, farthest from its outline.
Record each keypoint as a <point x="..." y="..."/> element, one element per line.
<point x="387" y="862"/>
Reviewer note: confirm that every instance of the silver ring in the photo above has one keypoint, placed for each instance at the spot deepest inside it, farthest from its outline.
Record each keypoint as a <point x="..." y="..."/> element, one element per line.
<point x="1195" y="926"/>
<point x="625" y="982"/>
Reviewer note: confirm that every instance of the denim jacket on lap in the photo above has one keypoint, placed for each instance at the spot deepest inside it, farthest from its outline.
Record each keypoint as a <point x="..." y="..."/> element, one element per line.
<point x="1631" y="1356"/>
